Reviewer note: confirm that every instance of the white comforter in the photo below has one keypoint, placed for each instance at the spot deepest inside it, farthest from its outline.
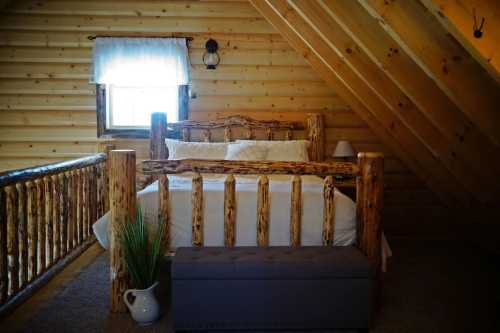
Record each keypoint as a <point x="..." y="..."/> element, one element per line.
<point x="246" y="200"/>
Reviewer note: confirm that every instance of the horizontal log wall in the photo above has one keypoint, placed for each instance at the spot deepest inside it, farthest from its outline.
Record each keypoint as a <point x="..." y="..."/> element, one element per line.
<point x="47" y="107"/>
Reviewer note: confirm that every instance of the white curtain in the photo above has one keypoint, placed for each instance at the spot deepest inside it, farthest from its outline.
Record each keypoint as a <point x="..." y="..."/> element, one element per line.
<point x="141" y="61"/>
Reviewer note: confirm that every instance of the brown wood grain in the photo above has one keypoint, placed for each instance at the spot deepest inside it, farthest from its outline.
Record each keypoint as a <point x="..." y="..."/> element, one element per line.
<point x="12" y="239"/>
<point x="164" y="212"/>
<point x="263" y="210"/>
<point x="197" y="214"/>
<point x="344" y="169"/>
<point x="49" y="233"/>
<point x="296" y="211"/>
<point x="4" y="281"/>
<point x="32" y="230"/>
<point x="22" y="225"/>
<point x="328" y="211"/>
<point x="123" y="210"/>
<point x="369" y="200"/>
<point x="56" y="216"/>
<point x="229" y="211"/>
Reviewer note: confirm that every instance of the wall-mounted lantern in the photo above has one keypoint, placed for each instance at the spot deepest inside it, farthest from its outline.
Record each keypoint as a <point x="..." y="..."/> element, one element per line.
<point x="211" y="58"/>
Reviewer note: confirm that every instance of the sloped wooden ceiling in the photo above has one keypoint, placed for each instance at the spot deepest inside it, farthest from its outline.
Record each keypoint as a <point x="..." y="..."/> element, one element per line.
<point x="416" y="87"/>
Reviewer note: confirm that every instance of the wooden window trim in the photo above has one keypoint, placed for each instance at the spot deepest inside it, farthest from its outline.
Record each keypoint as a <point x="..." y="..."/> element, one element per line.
<point x="183" y="100"/>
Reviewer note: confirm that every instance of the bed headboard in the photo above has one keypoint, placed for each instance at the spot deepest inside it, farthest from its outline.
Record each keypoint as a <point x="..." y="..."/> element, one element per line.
<point x="239" y="127"/>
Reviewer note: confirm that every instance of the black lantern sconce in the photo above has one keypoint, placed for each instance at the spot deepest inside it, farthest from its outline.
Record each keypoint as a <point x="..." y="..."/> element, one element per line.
<point x="211" y="58"/>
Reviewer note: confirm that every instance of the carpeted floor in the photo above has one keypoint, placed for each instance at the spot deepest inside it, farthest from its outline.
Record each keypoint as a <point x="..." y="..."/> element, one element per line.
<point x="431" y="287"/>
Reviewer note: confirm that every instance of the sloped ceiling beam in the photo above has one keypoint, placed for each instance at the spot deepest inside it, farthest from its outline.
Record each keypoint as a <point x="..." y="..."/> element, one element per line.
<point x="443" y="59"/>
<point x="376" y="111"/>
<point x="433" y="116"/>
<point x="457" y="17"/>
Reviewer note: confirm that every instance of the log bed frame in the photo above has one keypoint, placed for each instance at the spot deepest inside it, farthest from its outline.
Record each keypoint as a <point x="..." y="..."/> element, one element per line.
<point x="366" y="176"/>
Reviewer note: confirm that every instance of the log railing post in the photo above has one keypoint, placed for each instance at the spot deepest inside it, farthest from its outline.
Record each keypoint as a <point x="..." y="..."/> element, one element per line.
<point x="197" y="205"/>
<point x="56" y="215"/>
<point x="32" y="230"/>
<point x="269" y="133"/>
<point x="296" y="211"/>
<point x="369" y="201"/>
<point x="158" y="134"/>
<point x="164" y="212"/>
<point x="186" y="134"/>
<point x="4" y="281"/>
<point x="12" y="239"/>
<point x="63" y="211"/>
<point x="123" y="210"/>
<point x="316" y="135"/>
<point x="207" y="135"/>
<point x="47" y="188"/>
<point x="85" y="203"/>
<point x="263" y="211"/>
<point x="227" y="134"/>
<point x="79" y="205"/>
<point x="22" y="226"/>
<point x="40" y="216"/>
<point x="229" y="211"/>
<point x="328" y="211"/>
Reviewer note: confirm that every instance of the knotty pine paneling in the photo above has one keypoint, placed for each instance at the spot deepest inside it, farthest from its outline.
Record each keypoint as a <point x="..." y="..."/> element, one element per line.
<point x="47" y="107"/>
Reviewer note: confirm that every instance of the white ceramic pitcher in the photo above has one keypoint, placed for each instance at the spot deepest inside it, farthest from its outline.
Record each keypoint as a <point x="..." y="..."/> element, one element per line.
<point x="145" y="308"/>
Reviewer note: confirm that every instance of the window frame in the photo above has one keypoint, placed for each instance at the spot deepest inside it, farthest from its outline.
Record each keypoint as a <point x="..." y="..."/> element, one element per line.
<point x="101" y="111"/>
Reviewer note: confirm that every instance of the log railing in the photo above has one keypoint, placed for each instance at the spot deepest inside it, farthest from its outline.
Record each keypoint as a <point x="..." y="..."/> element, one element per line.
<point x="46" y="214"/>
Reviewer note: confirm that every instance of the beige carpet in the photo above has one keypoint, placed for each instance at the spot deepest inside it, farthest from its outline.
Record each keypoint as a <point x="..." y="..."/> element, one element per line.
<point x="431" y="287"/>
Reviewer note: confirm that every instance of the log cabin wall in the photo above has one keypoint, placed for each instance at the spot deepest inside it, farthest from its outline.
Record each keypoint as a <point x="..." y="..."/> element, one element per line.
<point x="47" y="106"/>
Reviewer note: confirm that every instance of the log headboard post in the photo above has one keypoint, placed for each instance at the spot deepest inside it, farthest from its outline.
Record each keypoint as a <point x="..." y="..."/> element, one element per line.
<point x="157" y="147"/>
<point x="369" y="202"/>
<point x="316" y="136"/>
<point x="123" y="210"/>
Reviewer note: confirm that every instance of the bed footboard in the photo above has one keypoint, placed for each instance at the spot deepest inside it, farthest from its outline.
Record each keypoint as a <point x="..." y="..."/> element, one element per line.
<point x="366" y="176"/>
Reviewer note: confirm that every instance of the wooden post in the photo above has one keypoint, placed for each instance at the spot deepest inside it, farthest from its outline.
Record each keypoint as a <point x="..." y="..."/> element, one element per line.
<point x="197" y="204"/>
<point x="229" y="211"/>
<point x="123" y="210"/>
<point x="316" y="135"/>
<point x="164" y="212"/>
<point x="249" y="134"/>
<point x="85" y="202"/>
<point x="157" y="147"/>
<point x="40" y="217"/>
<point x="263" y="211"/>
<point x="269" y="133"/>
<point x="56" y="216"/>
<point x="186" y="134"/>
<point x="4" y="281"/>
<point x="47" y="189"/>
<point x="296" y="211"/>
<point x="288" y="135"/>
<point x="328" y="211"/>
<point x="105" y="149"/>
<point x="93" y="194"/>
<point x="63" y="210"/>
<point x="207" y="135"/>
<point x="12" y="239"/>
<point x="32" y="230"/>
<point x="227" y="134"/>
<point x="71" y="210"/>
<point x="22" y="225"/>
<point x="369" y="201"/>
<point x="79" y="205"/>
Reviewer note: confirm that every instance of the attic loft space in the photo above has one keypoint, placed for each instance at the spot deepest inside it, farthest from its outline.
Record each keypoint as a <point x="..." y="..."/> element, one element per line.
<point x="155" y="154"/>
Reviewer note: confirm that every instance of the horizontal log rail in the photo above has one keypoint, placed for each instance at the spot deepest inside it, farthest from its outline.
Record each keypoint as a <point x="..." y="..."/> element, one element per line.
<point x="238" y="121"/>
<point x="24" y="175"/>
<point x="338" y="169"/>
<point x="46" y="214"/>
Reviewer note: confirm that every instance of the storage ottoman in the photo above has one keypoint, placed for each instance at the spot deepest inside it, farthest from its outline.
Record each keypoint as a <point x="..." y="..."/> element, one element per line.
<point x="260" y="288"/>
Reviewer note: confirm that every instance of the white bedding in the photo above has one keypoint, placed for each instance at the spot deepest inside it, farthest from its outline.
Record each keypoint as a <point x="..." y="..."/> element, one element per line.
<point x="246" y="199"/>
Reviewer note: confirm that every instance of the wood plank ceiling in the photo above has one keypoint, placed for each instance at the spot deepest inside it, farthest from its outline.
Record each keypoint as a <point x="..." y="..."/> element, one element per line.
<point x="408" y="78"/>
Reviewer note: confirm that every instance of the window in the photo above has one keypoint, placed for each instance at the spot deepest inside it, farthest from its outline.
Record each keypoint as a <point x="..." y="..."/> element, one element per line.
<point x="136" y="77"/>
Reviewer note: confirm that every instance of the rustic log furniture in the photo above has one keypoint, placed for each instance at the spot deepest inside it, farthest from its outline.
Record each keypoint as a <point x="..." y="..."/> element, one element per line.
<point x="366" y="175"/>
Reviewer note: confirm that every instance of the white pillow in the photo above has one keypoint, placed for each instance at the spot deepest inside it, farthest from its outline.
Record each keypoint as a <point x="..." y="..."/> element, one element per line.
<point x="200" y="150"/>
<point x="245" y="152"/>
<point x="344" y="220"/>
<point x="290" y="150"/>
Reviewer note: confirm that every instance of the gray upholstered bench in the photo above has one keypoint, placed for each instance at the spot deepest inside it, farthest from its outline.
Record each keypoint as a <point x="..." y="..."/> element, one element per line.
<point x="271" y="288"/>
